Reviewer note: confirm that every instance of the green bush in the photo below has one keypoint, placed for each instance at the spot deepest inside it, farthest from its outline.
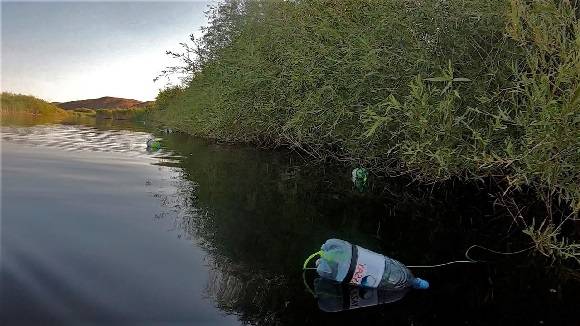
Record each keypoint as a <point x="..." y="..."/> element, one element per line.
<point x="120" y="114"/>
<point x="84" y="110"/>
<point x="25" y="104"/>
<point x="435" y="89"/>
<point x="104" y="114"/>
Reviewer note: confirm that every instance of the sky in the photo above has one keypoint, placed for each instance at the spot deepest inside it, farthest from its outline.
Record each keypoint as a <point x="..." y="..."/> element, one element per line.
<point x="63" y="51"/>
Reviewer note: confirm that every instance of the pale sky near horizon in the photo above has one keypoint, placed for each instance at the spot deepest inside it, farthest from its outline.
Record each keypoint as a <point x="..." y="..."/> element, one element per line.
<point x="63" y="51"/>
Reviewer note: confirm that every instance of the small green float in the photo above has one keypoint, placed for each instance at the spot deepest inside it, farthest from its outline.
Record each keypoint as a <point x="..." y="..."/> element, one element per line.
<point x="153" y="145"/>
<point x="360" y="178"/>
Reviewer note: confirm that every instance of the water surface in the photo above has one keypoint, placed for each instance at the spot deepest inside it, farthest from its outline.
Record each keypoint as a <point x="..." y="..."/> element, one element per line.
<point x="96" y="229"/>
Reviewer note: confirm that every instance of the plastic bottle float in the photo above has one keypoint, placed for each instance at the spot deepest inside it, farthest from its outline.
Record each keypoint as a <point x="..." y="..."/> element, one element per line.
<point x="153" y="145"/>
<point x="343" y="262"/>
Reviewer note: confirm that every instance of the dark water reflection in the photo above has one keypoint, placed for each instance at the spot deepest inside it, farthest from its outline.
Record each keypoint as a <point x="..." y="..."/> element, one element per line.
<point x="336" y="297"/>
<point x="265" y="213"/>
<point x="216" y="234"/>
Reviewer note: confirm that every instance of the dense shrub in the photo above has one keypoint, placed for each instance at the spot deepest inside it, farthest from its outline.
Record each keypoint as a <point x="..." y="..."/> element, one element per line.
<point x="120" y="114"/>
<point x="84" y="110"/>
<point x="104" y="113"/>
<point x="435" y="89"/>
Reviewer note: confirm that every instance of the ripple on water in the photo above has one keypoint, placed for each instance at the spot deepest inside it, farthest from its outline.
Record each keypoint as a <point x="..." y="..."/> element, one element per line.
<point x="78" y="138"/>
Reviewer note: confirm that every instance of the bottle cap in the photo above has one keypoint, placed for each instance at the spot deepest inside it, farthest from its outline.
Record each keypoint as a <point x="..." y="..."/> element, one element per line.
<point x="420" y="284"/>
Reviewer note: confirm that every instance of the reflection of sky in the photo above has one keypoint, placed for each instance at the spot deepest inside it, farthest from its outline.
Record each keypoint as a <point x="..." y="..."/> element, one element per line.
<point x="82" y="243"/>
<point x="64" y="51"/>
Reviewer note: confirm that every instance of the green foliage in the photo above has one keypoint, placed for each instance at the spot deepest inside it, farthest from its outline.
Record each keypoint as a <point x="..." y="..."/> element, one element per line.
<point x="104" y="114"/>
<point x="548" y="242"/>
<point x="120" y="114"/>
<point x="83" y="110"/>
<point x="435" y="89"/>
<point x="24" y="104"/>
<point x="166" y="97"/>
<point x="544" y="115"/>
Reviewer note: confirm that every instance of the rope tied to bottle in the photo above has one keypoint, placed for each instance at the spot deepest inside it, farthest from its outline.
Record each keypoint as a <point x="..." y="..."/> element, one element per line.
<point x="469" y="259"/>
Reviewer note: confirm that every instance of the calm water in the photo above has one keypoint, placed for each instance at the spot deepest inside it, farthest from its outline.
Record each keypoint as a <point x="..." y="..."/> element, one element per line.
<point x="95" y="229"/>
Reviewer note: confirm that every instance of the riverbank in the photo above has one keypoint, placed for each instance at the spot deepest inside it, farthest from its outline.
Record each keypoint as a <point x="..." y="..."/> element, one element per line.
<point x="18" y="108"/>
<point x="477" y="91"/>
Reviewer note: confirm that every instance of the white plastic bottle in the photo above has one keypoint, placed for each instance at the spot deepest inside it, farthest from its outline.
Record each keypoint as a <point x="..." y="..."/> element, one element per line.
<point x="344" y="262"/>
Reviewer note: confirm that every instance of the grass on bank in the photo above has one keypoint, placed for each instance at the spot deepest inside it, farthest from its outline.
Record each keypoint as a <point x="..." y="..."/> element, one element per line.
<point x="470" y="89"/>
<point x="14" y="104"/>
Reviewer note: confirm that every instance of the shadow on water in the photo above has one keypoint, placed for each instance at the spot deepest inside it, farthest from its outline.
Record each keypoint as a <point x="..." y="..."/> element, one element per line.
<point x="259" y="214"/>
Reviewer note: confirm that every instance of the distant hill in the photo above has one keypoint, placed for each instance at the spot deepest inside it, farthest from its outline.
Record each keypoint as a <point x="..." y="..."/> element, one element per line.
<point x="106" y="102"/>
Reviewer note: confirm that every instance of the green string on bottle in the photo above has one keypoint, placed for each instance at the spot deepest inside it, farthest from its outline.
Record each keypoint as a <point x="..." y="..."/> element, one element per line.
<point x="318" y="253"/>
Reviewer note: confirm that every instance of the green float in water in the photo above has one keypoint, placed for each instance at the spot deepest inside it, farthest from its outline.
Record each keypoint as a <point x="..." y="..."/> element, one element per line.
<point x="360" y="178"/>
<point x="153" y="144"/>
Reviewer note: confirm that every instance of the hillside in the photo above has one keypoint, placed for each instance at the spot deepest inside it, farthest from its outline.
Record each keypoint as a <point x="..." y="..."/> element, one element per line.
<point x="17" y="104"/>
<point x="106" y="102"/>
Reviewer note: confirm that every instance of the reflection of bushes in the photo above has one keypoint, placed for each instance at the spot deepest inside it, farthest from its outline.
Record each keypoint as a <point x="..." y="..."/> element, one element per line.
<point x="258" y="215"/>
<point x="245" y="292"/>
<point x="125" y="114"/>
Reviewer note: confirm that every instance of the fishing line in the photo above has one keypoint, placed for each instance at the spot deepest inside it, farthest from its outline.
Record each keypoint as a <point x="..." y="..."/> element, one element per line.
<point x="306" y="284"/>
<point x="471" y="260"/>
<point x="467" y="256"/>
